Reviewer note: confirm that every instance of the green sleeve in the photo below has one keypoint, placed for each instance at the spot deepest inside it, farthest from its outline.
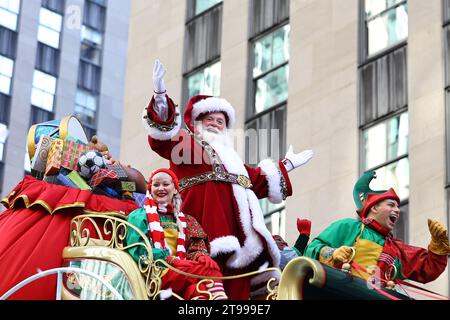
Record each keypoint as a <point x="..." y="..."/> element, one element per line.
<point x="138" y="218"/>
<point x="339" y="233"/>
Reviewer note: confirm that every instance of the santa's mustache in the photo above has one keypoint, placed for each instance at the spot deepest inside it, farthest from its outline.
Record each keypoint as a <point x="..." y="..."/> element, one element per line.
<point x="211" y="134"/>
<point x="212" y="129"/>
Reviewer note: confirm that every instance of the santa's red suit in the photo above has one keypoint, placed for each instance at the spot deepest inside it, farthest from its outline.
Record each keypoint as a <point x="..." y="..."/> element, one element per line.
<point x="220" y="191"/>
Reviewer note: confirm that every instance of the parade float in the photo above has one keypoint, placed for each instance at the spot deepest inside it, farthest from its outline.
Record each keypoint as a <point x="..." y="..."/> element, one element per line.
<point x="63" y="234"/>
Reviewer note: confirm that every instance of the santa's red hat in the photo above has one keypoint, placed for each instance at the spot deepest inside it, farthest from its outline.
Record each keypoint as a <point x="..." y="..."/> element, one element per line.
<point x="202" y="104"/>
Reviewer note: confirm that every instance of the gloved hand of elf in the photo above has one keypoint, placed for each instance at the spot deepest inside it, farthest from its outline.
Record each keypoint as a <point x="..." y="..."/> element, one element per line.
<point x="336" y="257"/>
<point x="304" y="226"/>
<point x="208" y="262"/>
<point x="294" y="160"/>
<point x="343" y="254"/>
<point x="439" y="238"/>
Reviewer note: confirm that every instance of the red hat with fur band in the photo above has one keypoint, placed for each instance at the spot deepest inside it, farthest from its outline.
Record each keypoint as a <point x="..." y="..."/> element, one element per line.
<point x="169" y="172"/>
<point x="202" y="104"/>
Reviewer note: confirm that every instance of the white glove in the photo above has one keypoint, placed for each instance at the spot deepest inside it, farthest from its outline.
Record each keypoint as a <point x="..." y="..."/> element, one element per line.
<point x="158" y="80"/>
<point x="294" y="160"/>
<point x="159" y="88"/>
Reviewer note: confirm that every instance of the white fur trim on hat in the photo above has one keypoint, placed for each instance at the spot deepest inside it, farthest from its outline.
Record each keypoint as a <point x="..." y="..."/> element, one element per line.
<point x="214" y="104"/>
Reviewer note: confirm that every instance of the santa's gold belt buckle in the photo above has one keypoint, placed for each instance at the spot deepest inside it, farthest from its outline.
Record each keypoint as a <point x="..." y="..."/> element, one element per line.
<point x="244" y="182"/>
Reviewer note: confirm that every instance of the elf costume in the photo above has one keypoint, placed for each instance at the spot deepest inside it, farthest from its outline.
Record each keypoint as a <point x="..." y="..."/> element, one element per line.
<point x="180" y="240"/>
<point x="374" y="244"/>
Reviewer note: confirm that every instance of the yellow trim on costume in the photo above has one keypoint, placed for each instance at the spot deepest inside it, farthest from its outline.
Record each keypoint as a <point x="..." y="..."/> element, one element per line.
<point x="367" y="254"/>
<point x="171" y="236"/>
<point x="51" y="211"/>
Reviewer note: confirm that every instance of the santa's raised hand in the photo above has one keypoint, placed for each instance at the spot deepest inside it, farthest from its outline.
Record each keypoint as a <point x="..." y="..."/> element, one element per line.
<point x="158" y="77"/>
<point x="294" y="160"/>
<point x="159" y="89"/>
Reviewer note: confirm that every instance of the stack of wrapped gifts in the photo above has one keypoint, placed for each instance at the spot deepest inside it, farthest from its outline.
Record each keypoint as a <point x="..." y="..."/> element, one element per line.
<point x="71" y="162"/>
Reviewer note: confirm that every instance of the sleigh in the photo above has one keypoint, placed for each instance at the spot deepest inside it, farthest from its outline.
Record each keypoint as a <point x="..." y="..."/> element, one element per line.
<point x="84" y="255"/>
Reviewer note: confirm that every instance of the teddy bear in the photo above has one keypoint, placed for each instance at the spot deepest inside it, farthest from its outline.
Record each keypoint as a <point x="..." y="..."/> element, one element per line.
<point x="133" y="174"/>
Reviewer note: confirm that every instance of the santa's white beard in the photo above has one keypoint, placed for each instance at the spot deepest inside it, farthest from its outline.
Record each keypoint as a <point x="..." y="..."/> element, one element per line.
<point x="214" y="138"/>
<point x="223" y="146"/>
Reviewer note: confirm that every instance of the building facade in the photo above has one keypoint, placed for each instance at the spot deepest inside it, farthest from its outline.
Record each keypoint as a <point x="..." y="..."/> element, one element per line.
<point x="59" y="58"/>
<point x="363" y="83"/>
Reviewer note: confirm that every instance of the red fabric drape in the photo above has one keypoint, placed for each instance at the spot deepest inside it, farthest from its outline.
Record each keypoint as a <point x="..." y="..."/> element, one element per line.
<point x="35" y="229"/>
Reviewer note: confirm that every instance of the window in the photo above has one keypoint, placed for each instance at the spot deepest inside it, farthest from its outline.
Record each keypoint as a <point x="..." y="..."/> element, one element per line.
<point x="265" y="122"/>
<point x="274" y="217"/>
<point x="199" y="7"/>
<point x="86" y="107"/>
<point x="266" y="136"/>
<point x="386" y="24"/>
<point x="49" y="27"/>
<point x="89" y="76"/>
<point x="89" y="70"/>
<point x="383" y="85"/>
<point x="6" y="72"/>
<point x="383" y="99"/>
<point x="203" y="39"/>
<point x="90" y="53"/>
<point x="203" y="5"/>
<point x="4" y="108"/>
<point x="386" y="150"/>
<point x="39" y="115"/>
<point x="43" y="91"/>
<point x="270" y="70"/>
<point x="91" y="35"/>
<point x="8" y="43"/>
<point x="267" y="110"/>
<point x="2" y="169"/>
<point x="3" y="137"/>
<point x="264" y="14"/>
<point x="94" y="15"/>
<point x="47" y="59"/>
<point x="202" y="43"/>
<point x="205" y="81"/>
<point x="54" y="5"/>
<point x="9" y="10"/>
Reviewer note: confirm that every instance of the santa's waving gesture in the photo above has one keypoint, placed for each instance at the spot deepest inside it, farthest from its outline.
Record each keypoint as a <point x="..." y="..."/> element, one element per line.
<point x="218" y="189"/>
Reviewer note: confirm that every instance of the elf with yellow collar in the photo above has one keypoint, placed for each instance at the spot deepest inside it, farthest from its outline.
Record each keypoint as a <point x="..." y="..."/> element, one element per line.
<point x="369" y="241"/>
<point x="177" y="238"/>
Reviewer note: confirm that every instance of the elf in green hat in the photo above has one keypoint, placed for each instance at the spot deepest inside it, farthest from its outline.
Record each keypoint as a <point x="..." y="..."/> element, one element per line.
<point x="368" y="243"/>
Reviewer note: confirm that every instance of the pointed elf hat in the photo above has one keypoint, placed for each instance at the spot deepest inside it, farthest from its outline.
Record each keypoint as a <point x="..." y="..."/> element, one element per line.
<point x="365" y="198"/>
<point x="202" y="104"/>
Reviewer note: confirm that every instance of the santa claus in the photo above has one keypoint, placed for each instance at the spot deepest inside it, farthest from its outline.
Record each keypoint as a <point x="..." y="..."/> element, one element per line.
<point x="218" y="189"/>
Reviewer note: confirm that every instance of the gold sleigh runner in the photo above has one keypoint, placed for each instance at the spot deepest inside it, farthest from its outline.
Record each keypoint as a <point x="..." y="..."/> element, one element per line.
<point x="97" y="243"/>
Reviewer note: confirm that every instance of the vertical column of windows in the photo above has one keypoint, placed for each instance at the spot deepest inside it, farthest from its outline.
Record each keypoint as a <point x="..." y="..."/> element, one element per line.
<point x="201" y="65"/>
<point x="383" y="104"/>
<point x="265" y="122"/>
<point x="9" y="16"/>
<point x="89" y="71"/>
<point x="45" y="75"/>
